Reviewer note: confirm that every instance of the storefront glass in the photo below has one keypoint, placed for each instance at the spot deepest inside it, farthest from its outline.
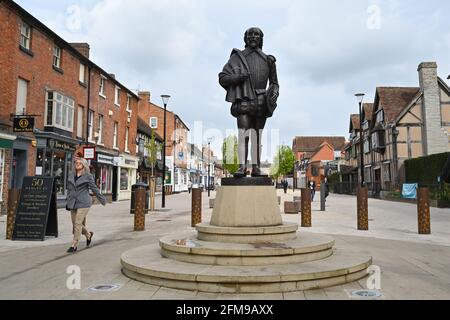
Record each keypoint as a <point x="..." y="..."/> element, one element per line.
<point x="103" y="178"/>
<point x="2" y="170"/>
<point x="56" y="163"/>
<point x="124" y="179"/>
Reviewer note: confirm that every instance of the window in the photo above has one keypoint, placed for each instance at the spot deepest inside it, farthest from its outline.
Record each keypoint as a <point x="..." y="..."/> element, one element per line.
<point x="82" y="73"/>
<point x="2" y="170"/>
<point x="380" y="116"/>
<point x="91" y="125"/>
<point x="80" y="122"/>
<point x="117" y="96"/>
<point x="100" y="129"/>
<point x="366" y="147"/>
<point x="378" y="141"/>
<point x="128" y="102"/>
<point x="116" y="129"/>
<point x="102" y="86"/>
<point x="154" y="122"/>
<point x="386" y="172"/>
<point x="59" y="111"/>
<point x="124" y="180"/>
<point x="126" y="139"/>
<point x="25" y="35"/>
<point x="22" y="92"/>
<point x="57" y="57"/>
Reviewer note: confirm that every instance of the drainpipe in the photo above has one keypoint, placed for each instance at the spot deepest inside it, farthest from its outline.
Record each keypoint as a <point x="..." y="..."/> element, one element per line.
<point x="88" y="105"/>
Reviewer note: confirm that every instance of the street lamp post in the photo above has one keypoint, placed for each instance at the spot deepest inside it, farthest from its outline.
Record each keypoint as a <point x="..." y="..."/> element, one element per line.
<point x="165" y="99"/>
<point x="209" y="167"/>
<point x="360" y="97"/>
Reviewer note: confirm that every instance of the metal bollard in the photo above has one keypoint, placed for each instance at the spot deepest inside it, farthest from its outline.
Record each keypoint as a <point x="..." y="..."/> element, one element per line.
<point x="139" y="210"/>
<point x="196" y="215"/>
<point x="306" y="208"/>
<point x="13" y="203"/>
<point x="423" y="210"/>
<point x="322" y="196"/>
<point x="363" y="210"/>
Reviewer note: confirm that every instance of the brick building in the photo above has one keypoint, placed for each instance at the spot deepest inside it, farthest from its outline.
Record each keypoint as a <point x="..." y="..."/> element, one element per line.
<point x="311" y="155"/>
<point x="177" y="147"/>
<point x="71" y="98"/>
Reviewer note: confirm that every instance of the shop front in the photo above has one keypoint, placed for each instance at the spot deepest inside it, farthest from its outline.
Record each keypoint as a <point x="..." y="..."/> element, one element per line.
<point x="126" y="173"/>
<point x="6" y="145"/>
<point x="55" y="159"/>
<point x="103" y="174"/>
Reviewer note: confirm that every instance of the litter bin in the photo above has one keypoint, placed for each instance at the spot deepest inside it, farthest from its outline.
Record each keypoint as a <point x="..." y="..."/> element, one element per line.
<point x="136" y="186"/>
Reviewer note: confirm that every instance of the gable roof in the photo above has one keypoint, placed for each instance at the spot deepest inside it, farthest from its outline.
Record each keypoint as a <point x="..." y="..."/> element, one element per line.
<point x="322" y="145"/>
<point x="310" y="144"/>
<point x="367" y="111"/>
<point x="393" y="100"/>
<point x="354" y="123"/>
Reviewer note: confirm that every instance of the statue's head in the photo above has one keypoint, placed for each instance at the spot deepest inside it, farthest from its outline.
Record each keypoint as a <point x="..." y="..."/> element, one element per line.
<point x="254" y="38"/>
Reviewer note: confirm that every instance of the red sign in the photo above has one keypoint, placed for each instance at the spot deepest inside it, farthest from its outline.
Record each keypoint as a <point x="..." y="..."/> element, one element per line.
<point x="89" y="153"/>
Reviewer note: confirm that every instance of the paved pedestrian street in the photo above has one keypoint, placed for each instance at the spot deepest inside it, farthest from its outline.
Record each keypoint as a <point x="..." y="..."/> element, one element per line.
<point x="412" y="266"/>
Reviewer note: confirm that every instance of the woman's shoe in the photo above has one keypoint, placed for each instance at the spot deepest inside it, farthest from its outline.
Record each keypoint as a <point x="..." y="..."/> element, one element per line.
<point x="88" y="242"/>
<point x="72" y="250"/>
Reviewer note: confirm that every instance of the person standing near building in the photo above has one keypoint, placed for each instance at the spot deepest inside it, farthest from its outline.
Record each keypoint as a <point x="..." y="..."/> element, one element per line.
<point x="79" y="200"/>
<point x="312" y="187"/>
<point x="285" y="185"/>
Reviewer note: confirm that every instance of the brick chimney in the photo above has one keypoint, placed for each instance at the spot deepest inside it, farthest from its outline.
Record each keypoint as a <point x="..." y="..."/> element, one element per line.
<point x="82" y="48"/>
<point x="434" y="139"/>
<point x="144" y="95"/>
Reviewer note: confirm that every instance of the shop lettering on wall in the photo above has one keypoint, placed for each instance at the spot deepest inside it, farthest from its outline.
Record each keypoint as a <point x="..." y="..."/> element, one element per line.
<point x="60" y="145"/>
<point x="105" y="159"/>
<point x="130" y="162"/>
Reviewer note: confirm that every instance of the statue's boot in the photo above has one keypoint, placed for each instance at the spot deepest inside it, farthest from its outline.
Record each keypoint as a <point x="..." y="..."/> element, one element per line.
<point x="256" y="171"/>
<point x="242" y="172"/>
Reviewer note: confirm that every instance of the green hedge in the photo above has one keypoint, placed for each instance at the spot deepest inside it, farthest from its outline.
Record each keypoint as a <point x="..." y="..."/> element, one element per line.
<point x="425" y="170"/>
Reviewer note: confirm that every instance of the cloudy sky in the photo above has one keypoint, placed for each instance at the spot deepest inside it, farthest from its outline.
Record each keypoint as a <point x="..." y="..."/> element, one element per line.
<point x="326" y="52"/>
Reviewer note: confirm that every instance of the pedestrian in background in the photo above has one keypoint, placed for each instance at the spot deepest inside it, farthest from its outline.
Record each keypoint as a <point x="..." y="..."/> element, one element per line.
<point x="285" y="186"/>
<point x="79" y="200"/>
<point x="312" y="187"/>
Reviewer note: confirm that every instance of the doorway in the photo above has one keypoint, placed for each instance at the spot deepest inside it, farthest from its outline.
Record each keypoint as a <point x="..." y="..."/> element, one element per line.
<point x="19" y="168"/>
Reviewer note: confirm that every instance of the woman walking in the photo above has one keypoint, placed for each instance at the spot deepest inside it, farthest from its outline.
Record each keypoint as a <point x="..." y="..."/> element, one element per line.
<point x="79" y="201"/>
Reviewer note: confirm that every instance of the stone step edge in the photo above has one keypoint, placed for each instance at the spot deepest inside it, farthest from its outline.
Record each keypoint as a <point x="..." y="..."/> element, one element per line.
<point x="243" y="231"/>
<point x="247" y="288"/>
<point x="244" y="278"/>
<point x="257" y="252"/>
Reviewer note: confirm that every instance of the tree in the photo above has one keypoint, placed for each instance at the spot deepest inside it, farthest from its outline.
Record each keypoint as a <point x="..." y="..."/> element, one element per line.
<point x="283" y="162"/>
<point x="152" y="150"/>
<point x="230" y="154"/>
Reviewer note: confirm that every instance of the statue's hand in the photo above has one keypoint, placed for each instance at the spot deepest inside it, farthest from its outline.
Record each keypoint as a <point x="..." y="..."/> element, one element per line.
<point x="274" y="97"/>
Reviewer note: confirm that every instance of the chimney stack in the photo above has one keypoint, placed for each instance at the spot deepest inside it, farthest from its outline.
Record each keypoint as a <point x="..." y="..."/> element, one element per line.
<point x="144" y="95"/>
<point x="434" y="139"/>
<point x="82" y="48"/>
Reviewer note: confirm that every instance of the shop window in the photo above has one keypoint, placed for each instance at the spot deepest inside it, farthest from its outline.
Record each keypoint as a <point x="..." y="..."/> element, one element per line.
<point x="2" y="170"/>
<point x="59" y="171"/>
<point x="59" y="111"/>
<point x="124" y="179"/>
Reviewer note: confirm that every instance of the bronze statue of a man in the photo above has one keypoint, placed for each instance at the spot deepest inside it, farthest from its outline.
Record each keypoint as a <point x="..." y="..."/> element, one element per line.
<point x="245" y="78"/>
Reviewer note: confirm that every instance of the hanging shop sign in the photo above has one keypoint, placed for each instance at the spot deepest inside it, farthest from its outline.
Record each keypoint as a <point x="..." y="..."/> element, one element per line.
<point x="23" y="124"/>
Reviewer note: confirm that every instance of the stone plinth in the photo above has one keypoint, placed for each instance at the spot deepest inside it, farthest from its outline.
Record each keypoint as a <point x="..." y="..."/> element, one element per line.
<point x="246" y="202"/>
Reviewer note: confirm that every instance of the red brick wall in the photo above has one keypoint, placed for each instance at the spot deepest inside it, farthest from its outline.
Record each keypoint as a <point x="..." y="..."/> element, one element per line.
<point x="148" y="109"/>
<point x="38" y="71"/>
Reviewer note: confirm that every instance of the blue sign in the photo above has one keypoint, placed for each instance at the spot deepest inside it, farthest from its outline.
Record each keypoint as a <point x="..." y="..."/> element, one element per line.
<point x="410" y="191"/>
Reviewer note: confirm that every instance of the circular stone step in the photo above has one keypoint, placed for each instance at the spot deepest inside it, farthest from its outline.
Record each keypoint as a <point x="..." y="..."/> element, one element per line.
<point x="281" y="233"/>
<point x="188" y="248"/>
<point x="146" y="264"/>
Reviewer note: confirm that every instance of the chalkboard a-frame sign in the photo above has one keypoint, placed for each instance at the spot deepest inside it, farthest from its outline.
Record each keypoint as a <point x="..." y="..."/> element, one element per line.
<point x="36" y="215"/>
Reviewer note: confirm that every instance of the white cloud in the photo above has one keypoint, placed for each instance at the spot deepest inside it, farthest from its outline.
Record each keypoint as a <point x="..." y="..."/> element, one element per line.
<point x="324" y="49"/>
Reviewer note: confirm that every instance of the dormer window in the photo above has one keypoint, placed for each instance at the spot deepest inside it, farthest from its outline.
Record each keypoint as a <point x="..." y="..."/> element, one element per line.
<point x="380" y="116"/>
